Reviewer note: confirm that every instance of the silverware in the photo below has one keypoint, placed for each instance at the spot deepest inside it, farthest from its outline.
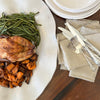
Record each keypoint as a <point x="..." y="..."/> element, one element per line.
<point x="90" y="52"/>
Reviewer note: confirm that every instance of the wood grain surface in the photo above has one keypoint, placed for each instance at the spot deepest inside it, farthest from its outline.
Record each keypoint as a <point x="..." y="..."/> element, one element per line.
<point x="63" y="87"/>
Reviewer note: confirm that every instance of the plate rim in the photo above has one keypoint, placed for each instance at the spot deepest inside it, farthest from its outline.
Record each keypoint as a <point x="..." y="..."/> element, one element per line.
<point x="58" y="13"/>
<point x="77" y="10"/>
<point x="74" y="8"/>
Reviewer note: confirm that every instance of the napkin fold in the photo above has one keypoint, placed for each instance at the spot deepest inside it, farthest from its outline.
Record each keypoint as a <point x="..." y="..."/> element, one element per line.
<point x="77" y="64"/>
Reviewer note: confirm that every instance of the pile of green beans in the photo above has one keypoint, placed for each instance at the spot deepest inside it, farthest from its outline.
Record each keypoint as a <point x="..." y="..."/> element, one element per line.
<point x="21" y="24"/>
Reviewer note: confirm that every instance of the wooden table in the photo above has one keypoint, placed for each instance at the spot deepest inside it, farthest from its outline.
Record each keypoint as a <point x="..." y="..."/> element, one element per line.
<point x="74" y="89"/>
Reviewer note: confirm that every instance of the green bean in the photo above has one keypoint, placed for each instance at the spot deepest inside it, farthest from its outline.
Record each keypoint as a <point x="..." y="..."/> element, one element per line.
<point x="23" y="25"/>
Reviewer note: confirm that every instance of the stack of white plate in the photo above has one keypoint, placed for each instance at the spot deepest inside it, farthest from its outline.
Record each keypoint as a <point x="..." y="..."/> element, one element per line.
<point x="74" y="9"/>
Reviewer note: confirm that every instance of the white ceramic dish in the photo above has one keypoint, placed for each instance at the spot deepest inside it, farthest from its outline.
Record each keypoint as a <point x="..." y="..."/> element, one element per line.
<point x="74" y="4"/>
<point x="47" y="50"/>
<point x="76" y="10"/>
<point x="69" y="15"/>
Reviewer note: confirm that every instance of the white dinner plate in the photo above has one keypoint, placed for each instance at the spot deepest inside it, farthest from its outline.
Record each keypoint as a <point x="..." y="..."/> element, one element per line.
<point x="47" y="50"/>
<point x="76" y="10"/>
<point x="74" y="4"/>
<point x="69" y="15"/>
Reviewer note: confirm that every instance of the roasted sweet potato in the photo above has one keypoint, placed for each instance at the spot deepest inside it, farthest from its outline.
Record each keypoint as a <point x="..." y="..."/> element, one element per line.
<point x="22" y="69"/>
<point x="11" y="77"/>
<point x="31" y="65"/>
<point x="4" y="83"/>
<point x="15" y="70"/>
<point x="1" y="64"/>
<point x="10" y="85"/>
<point x="1" y="73"/>
<point x="10" y="67"/>
<point x="28" y="76"/>
<point x="25" y="62"/>
<point x="14" y="74"/>
<point x="19" y="81"/>
<point x="19" y="75"/>
<point x="27" y="80"/>
<point x="15" y="83"/>
<point x="34" y="57"/>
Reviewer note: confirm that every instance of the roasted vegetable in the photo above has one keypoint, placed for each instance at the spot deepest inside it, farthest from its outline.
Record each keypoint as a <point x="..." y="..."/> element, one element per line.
<point x="31" y="65"/>
<point x="19" y="75"/>
<point x="10" y="67"/>
<point x="1" y="73"/>
<point x="14" y="74"/>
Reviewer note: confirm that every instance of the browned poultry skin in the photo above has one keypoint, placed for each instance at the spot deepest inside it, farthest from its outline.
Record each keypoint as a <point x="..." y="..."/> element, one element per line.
<point x="23" y="42"/>
<point x="16" y="48"/>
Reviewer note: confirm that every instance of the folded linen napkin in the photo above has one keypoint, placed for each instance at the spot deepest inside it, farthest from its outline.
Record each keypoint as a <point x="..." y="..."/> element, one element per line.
<point x="77" y="64"/>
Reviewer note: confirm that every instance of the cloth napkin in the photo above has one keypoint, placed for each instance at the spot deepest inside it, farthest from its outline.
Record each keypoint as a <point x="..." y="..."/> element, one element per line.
<point x="77" y="64"/>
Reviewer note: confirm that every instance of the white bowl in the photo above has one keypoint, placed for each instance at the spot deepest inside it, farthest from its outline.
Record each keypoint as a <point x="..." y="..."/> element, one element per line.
<point x="76" y="6"/>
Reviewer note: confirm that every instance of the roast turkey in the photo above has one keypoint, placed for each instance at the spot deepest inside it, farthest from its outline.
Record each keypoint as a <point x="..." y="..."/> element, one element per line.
<point x="15" y="48"/>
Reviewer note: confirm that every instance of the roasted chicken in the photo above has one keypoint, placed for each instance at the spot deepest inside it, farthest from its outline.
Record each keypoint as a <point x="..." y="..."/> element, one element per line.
<point x="15" y="48"/>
